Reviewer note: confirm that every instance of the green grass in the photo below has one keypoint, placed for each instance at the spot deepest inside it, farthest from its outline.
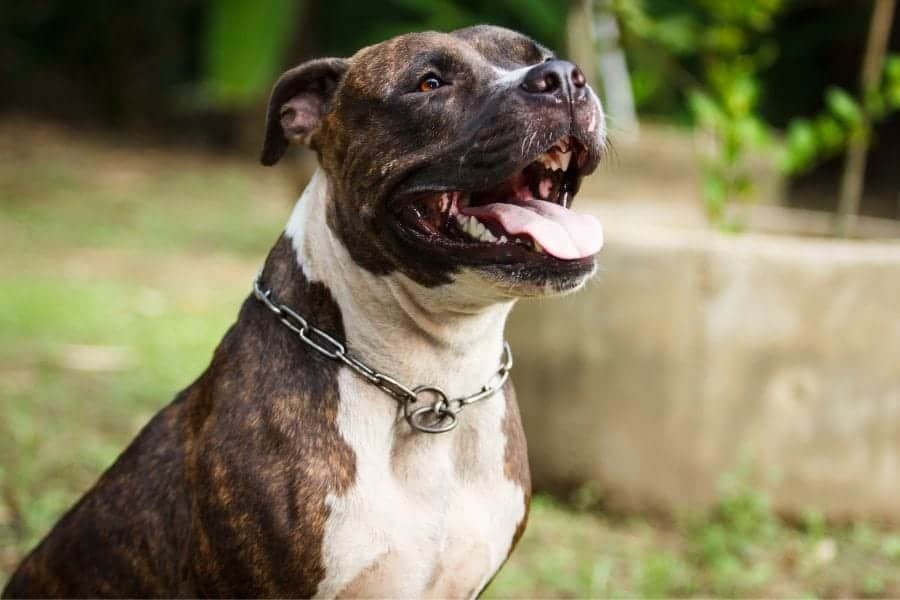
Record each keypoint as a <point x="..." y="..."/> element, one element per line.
<point x="737" y="548"/>
<point x="121" y="268"/>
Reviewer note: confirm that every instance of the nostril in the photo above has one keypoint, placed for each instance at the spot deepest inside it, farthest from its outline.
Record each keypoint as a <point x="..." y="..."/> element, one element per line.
<point x="551" y="82"/>
<point x="578" y="78"/>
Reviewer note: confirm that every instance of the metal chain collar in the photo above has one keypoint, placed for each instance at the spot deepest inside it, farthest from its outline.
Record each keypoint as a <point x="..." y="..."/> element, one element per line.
<point x="437" y="417"/>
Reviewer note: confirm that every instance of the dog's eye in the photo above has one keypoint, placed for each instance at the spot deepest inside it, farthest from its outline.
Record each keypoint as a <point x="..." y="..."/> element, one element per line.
<point x="430" y="82"/>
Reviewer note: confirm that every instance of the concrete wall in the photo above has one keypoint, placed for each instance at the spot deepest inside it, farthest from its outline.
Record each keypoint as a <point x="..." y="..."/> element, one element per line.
<point x="692" y="349"/>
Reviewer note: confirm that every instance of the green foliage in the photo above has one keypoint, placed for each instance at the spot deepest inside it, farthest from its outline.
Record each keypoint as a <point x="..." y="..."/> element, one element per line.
<point x="890" y="548"/>
<point x="714" y="52"/>
<point x="348" y="25"/>
<point x="724" y="38"/>
<point x="892" y="82"/>
<point x="663" y="575"/>
<point x="244" y="48"/>
<point x="728" y="541"/>
<point x="808" y="142"/>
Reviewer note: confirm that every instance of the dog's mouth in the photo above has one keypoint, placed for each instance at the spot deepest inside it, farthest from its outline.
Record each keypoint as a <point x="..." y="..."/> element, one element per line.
<point x="526" y="216"/>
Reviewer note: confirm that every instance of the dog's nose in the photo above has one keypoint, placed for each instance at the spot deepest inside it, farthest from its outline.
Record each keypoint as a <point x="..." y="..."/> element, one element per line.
<point x="552" y="77"/>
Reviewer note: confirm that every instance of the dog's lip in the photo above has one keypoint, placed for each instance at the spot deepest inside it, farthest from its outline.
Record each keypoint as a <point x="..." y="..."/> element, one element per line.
<point x="443" y="216"/>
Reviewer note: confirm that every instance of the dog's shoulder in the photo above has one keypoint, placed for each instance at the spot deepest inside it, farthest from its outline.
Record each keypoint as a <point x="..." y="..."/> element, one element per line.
<point x="264" y="449"/>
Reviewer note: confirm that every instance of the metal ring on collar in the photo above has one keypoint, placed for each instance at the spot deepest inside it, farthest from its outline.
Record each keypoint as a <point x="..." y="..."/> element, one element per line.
<point x="442" y="418"/>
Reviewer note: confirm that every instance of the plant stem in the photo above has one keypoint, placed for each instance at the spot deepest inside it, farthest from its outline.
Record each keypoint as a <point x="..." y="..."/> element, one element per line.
<point x="855" y="161"/>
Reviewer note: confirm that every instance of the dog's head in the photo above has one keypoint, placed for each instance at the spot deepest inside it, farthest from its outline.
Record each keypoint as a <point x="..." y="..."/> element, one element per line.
<point x="451" y="153"/>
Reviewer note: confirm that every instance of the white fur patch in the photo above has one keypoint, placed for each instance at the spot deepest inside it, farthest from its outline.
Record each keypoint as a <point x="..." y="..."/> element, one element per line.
<point x="428" y="515"/>
<point x="425" y="516"/>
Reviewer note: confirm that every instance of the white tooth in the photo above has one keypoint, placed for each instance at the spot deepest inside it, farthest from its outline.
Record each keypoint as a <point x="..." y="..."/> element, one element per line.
<point x="477" y="228"/>
<point x="550" y="161"/>
<point x="487" y="236"/>
<point x="470" y="226"/>
<point x="445" y="202"/>
<point x="564" y="159"/>
<point x="502" y="239"/>
<point x="537" y="247"/>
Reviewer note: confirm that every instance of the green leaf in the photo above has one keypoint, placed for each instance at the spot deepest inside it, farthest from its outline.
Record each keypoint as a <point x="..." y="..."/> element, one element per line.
<point x="892" y="96"/>
<point x="829" y="133"/>
<point x="892" y="82"/>
<point x="705" y="109"/>
<point x="800" y="145"/>
<point x="892" y="67"/>
<point x="753" y="131"/>
<point x="844" y="106"/>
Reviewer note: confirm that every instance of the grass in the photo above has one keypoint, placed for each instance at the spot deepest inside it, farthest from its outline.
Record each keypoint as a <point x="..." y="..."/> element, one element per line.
<point x="121" y="267"/>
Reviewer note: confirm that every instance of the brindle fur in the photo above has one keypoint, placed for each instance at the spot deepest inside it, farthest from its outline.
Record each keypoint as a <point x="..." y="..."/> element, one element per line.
<point x="222" y="493"/>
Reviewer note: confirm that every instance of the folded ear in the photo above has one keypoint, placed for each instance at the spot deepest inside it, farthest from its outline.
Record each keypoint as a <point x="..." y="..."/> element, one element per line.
<point x="300" y="99"/>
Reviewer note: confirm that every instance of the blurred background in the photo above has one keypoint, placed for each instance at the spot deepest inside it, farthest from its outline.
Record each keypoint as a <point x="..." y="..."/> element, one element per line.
<point x="717" y="414"/>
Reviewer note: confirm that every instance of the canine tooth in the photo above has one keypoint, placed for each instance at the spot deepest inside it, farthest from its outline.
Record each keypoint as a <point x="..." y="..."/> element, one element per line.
<point x="564" y="159"/>
<point x="472" y="227"/>
<point x="537" y="247"/>
<point x="468" y="225"/>
<point x="547" y="161"/>
<point x="445" y="202"/>
<point x="502" y="239"/>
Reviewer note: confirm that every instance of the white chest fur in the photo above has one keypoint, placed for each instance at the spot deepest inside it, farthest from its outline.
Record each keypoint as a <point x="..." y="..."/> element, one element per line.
<point x="428" y="515"/>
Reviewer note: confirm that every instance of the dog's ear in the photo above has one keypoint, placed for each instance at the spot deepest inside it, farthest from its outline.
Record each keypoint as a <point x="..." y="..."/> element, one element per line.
<point x="300" y="99"/>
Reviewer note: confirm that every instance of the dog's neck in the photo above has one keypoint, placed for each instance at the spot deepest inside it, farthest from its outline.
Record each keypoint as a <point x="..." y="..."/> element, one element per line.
<point x="450" y="336"/>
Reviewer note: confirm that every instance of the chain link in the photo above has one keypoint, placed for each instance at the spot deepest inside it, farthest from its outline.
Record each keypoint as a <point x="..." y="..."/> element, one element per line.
<point x="436" y="417"/>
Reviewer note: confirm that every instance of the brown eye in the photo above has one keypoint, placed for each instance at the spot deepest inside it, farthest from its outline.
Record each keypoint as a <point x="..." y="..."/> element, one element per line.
<point x="430" y="82"/>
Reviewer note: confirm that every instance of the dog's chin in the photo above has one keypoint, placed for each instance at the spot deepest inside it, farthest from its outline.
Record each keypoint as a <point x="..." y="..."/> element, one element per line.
<point x="519" y="235"/>
<point x="533" y="281"/>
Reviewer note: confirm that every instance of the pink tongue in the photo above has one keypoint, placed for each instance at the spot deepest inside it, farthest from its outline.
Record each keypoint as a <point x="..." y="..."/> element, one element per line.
<point x="560" y="232"/>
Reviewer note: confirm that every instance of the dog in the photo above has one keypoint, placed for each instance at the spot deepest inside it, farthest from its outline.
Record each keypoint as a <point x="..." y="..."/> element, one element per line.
<point x="356" y="433"/>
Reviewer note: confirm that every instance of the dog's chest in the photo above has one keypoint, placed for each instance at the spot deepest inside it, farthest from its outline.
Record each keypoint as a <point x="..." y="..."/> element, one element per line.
<point x="427" y="515"/>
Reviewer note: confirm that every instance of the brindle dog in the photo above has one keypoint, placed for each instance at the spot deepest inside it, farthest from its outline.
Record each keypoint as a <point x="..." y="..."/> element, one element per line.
<point x="448" y="164"/>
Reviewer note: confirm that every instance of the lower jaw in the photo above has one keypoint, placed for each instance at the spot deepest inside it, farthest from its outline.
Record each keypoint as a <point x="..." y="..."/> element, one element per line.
<point x="530" y="281"/>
